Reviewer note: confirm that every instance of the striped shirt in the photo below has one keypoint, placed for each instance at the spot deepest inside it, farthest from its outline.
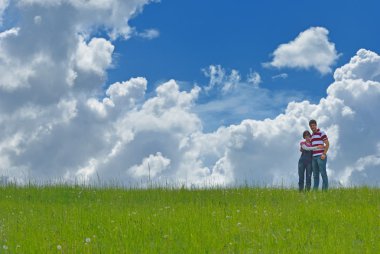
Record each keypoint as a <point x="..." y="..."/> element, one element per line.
<point x="317" y="138"/>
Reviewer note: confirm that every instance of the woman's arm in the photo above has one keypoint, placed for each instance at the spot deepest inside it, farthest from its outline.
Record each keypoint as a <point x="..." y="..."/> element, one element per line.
<point x="311" y="148"/>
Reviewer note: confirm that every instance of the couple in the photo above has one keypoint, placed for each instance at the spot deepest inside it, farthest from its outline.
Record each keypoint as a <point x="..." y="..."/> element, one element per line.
<point x="314" y="148"/>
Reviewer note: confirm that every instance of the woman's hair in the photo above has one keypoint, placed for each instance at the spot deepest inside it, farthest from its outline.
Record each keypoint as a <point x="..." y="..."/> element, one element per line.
<point x="306" y="133"/>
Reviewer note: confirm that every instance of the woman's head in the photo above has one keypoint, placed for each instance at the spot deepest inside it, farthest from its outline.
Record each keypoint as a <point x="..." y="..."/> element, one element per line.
<point x="306" y="134"/>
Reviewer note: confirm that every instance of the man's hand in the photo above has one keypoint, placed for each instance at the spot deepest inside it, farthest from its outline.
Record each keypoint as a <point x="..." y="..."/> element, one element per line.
<point x="321" y="147"/>
<point x="323" y="156"/>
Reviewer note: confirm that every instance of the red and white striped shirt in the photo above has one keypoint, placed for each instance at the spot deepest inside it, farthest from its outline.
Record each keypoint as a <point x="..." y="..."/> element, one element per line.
<point x="317" y="138"/>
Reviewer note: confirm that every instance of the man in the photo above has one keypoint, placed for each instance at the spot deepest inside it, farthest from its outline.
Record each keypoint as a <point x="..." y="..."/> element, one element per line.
<point x="319" y="155"/>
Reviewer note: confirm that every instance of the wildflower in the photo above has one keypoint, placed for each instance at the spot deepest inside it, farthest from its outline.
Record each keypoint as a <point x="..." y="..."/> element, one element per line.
<point x="88" y="240"/>
<point x="238" y="224"/>
<point x="59" y="247"/>
<point x="238" y="211"/>
<point x="288" y="230"/>
<point x="5" y="247"/>
<point x="228" y="217"/>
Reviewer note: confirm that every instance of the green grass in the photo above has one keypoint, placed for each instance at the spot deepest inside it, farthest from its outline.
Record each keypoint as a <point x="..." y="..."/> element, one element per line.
<point x="162" y="220"/>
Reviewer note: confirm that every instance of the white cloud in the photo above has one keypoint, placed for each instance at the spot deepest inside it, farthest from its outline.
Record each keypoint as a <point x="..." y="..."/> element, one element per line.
<point x="8" y="33"/>
<point x="96" y="56"/>
<point x="254" y="78"/>
<point x="133" y="89"/>
<point x="280" y="76"/>
<point x="226" y="82"/>
<point x="57" y="123"/>
<point x="151" y="166"/>
<point x="311" y="49"/>
<point x="47" y="88"/>
<point x="111" y="14"/>
<point x="14" y="73"/>
<point x="149" y="34"/>
<point x="364" y="65"/>
<point x="363" y="172"/>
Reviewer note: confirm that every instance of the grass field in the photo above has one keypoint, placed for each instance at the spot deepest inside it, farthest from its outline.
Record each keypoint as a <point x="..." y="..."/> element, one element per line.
<point x="63" y="219"/>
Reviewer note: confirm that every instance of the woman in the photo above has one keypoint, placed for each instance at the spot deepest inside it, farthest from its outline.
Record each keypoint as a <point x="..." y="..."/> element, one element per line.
<point x="304" y="163"/>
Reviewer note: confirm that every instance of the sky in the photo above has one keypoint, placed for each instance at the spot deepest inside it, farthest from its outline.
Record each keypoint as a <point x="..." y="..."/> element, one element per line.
<point x="189" y="92"/>
<point x="196" y="34"/>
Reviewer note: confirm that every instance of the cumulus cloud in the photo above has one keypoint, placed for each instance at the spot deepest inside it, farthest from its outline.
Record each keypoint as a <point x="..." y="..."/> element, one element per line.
<point x="58" y="123"/>
<point x="95" y="56"/>
<point x="151" y="166"/>
<point x="311" y="49"/>
<point x="364" y="65"/>
<point x="111" y="14"/>
<point x="14" y="72"/>
<point x="52" y="71"/>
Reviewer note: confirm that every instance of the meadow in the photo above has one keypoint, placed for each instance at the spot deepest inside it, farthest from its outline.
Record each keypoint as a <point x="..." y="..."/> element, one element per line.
<point x="78" y="219"/>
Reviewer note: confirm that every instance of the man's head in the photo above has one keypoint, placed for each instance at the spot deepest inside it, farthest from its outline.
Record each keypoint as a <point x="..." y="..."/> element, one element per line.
<point x="313" y="125"/>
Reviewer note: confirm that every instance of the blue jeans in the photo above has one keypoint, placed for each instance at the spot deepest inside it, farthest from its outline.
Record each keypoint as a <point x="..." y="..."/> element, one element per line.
<point x="319" y="167"/>
<point x="302" y="169"/>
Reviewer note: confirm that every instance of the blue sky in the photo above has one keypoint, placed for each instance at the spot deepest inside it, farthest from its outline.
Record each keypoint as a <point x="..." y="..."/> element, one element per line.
<point x="242" y="35"/>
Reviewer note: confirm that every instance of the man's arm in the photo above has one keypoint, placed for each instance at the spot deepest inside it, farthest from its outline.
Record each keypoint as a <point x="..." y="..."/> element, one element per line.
<point x="327" y="144"/>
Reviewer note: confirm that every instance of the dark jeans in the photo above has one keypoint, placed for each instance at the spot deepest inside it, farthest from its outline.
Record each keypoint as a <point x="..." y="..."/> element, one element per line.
<point x="304" y="169"/>
<point x="319" y="167"/>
